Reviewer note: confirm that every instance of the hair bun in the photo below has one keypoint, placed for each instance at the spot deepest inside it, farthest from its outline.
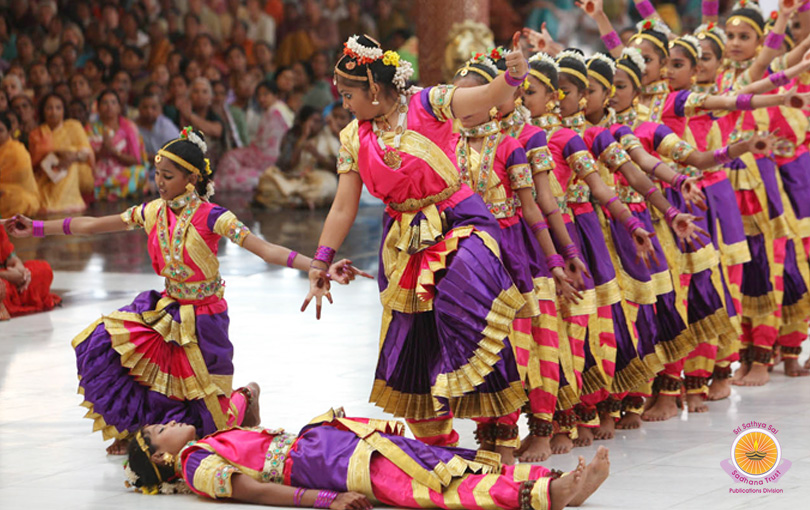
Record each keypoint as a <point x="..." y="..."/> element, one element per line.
<point x="196" y="137"/>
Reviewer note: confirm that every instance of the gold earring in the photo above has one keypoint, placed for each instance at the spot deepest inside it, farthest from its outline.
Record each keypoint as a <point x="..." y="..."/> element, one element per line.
<point x="550" y="106"/>
<point x="694" y="80"/>
<point x="606" y="103"/>
<point x="635" y="101"/>
<point x="583" y="103"/>
<point x="168" y="459"/>
<point x="190" y="187"/>
<point x="493" y="112"/>
<point x="374" y="100"/>
<point x="664" y="71"/>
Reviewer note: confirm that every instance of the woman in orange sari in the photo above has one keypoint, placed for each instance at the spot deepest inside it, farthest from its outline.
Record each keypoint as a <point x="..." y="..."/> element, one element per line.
<point x="62" y="155"/>
<point x="24" y="287"/>
<point x="18" y="188"/>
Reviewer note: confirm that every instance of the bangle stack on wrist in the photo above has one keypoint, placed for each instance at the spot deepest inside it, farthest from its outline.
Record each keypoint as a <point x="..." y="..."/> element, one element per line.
<point x="66" y="226"/>
<point x="571" y="252"/>
<point x="669" y="216"/>
<point x="744" y="102"/>
<point x="38" y="228"/>
<point x="721" y="156"/>
<point x="291" y="258"/>
<point x="324" y="254"/>
<point x="514" y="82"/>
<point x="632" y="224"/>
<point x="650" y="193"/>
<point x="537" y="227"/>
<point x="780" y="79"/>
<point x="774" y="41"/>
<point x="611" y="41"/>
<point x="677" y="182"/>
<point x="555" y="260"/>
<point x="298" y="496"/>
<point x="325" y="499"/>
<point x="646" y="9"/>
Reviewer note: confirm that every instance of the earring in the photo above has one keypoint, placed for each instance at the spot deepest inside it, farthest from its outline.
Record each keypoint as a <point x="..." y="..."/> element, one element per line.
<point x="190" y="187"/>
<point x="694" y="80"/>
<point x="374" y="100"/>
<point x="583" y="103"/>
<point x="168" y="459"/>
<point x="493" y="112"/>
<point x="664" y="71"/>
<point x="635" y="101"/>
<point x="606" y="103"/>
<point x="550" y="106"/>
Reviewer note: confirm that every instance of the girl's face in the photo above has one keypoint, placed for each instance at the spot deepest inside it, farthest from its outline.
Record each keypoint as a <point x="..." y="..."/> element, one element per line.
<point x="79" y="88"/>
<point x="681" y="70"/>
<point x="265" y="97"/>
<point x="569" y="105"/>
<point x="54" y="112"/>
<point x="108" y="107"/>
<point x="358" y="101"/>
<point x="742" y="41"/>
<point x="653" y="60"/>
<point x="709" y="64"/>
<point x="169" y="438"/>
<point x="596" y="95"/>
<point x="12" y="88"/>
<point x="476" y="118"/>
<point x="285" y="81"/>
<point x="536" y="96"/>
<point x="800" y="30"/>
<point x="170" y="180"/>
<point x="625" y="93"/>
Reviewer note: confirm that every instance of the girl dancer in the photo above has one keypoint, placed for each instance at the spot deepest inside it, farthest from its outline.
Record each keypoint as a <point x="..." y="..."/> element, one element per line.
<point x="167" y="356"/>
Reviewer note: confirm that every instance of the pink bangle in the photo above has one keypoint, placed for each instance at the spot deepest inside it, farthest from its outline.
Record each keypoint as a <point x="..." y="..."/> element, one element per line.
<point x="514" y="82"/>
<point x="711" y="7"/>
<point x="553" y="211"/>
<point x="645" y="8"/>
<point x="290" y="260"/>
<point x="721" y="156"/>
<point x="571" y="252"/>
<point x="652" y="175"/>
<point x="298" y="496"/>
<point x="677" y="182"/>
<point x="324" y="254"/>
<point x="779" y="79"/>
<point x="744" y="102"/>
<point x="325" y="499"/>
<point x="66" y="225"/>
<point x="38" y="228"/>
<point x="555" y="260"/>
<point x="804" y="7"/>
<point x="632" y="224"/>
<point x="650" y="193"/>
<point x="669" y="216"/>
<point x="611" y="40"/>
<point x="774" y="41"/>
<point x="537" y="227"/>
<point x="612" y="199"/>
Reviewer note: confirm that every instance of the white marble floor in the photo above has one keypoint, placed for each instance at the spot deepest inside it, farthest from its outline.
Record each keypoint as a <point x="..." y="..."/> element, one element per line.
<point x="49" y="457"/>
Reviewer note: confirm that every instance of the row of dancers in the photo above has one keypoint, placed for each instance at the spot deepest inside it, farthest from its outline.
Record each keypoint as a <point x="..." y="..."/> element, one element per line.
<point x="537" y="255"/>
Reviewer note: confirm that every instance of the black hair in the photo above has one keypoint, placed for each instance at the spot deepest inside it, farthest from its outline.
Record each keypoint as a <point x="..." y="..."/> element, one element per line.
<point x="99" y="64"/>
<point x="234" y="47"/>
<point x="78" y="102"/>
<point x="5" y="120"/>
<point x="44" y="101"/>
<point x="54" y="57"/>
<point x="193" y="155"/>
<point x="107" y="92"/>
<point x="302" y="117"/>
<point x="307" y="69"/>
<point x="141" y="464"/>
<point x="751" y="14"/>
<point x="688" y="54"/>
<point x="548" y="70"/>
<point x="134" y="49"/>
<point x="716" y="49"/>
<point x="383" y="75"/>
<point x="270" y="85"/>
<point x="603" y="69"/>
<point x="660" y="37"/>
<point x="147" y="95"/>
<point x="479" y="67"/>
<point x="576" y="65"/>
<point x="629" y="64"/>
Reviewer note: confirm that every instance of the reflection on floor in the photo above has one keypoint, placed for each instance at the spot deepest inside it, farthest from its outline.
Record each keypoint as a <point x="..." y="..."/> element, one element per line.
<point x="49" y="458"/>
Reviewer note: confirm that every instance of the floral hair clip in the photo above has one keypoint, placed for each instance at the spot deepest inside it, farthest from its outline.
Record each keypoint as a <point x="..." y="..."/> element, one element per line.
<point x="362" y="54"/>
<point x="391" y="58"/>
<point x="774" y="15"/>
<point x="496" y="53"/>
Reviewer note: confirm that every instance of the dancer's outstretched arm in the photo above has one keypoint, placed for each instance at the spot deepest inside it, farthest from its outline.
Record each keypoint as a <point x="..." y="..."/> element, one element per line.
<point x="248" y="490"/>
<point x="22" y="226"/>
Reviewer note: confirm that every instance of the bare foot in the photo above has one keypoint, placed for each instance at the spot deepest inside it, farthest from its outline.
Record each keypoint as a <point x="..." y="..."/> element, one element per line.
<point x="563" y="489"/>
<point x="561" y="443"/>
<point x="607" y="427"/>
<point x="793" y="369"/>
<point x="596" y="472"/>
<point x="719" y="389"/>
<point x="119" y="447"/>
<point x="534" y="449"/>
<point x="757" y="376"/>
<point x="629" y="421"/>
<point x="252" y="415"/>
<point x="507" y="454"/>
<point x="740" y="373"/>
<point x="584" y="436"/>
<point x="666" y="407"/>
<point x="695" y="403"/>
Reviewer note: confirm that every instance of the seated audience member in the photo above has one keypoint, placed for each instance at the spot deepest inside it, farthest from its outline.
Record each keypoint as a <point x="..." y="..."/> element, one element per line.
<point x="155" y="128"/>
<point x="78" y="111"/>
<point x="19" y="193"/>
<point x="240" y="169"/>
<point x="62" y="158"/>
<point x="25" y="287"/>
<point x="12" y="86"/>
<point x="178" y="92"/>
<point x="196" y="111"/>
<point x="233" y="118"/>
<point x="23" y="107"/>
<point x="263" y="58"/>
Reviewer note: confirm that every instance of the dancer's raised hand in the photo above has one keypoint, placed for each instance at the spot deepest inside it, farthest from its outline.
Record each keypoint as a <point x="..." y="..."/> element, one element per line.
<point x="690" y="189"/>
<point x="516" y="64"/>
<point x="318" y="288"/>
<point x="591" y="7"/>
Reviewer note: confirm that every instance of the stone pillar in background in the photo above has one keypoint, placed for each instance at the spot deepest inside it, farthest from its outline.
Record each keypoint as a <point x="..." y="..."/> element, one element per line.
<point x="434" y="18"/>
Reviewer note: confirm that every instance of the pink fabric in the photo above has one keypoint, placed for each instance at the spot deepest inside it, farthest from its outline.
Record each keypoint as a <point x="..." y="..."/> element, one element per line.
<point x="242" y="447"/>
<point x="556" y="145"/>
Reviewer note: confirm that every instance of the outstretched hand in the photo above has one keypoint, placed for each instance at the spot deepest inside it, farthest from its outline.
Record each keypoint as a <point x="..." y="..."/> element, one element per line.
<point x="343" y="272"/>
<point x="691" y="192"/>
<point x="565" y="286"/>
<point x="688" y="232"/>
<point x="318" y="288"/>
<point x="18" y="226"/>
<point x="591" y="7"/>
<point x="576" y="270"/>
<point x="516" y="64"/>
<point x="644" y="247"/>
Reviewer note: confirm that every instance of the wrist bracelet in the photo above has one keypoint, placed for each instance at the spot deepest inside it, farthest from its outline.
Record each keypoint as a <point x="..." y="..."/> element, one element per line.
<point x="514" y="82"/>
<point x="298" y="496"/>
<point x="645" y="8"/>
<point x="325" y="499"/>
<point x="779" y="79"/>
<point x="650" y="193"/>
<point x="632" y="224"/>
<point x="710" y="7"/>
<point x="721" y="156"/>
<point x="669" y="216"/>
<point x="611" y="40"/>
<point x="38" y="228"/>
<point x="652" y="175"/>
<point x="291" y="259"/>
<point x="677" y="182"/>
<point x="804" y="7"/>
<point x="66" y="225"/>
<point x="555" y="260"/>
<point x="553" y="211"/>
<point x="744" y="102"/>
<point x="612" y="199"/>
<point x="537" y="227"/>
<point x="324" y="254"/>
<point x="570" y="252"/>
<point x="774" y="41"/>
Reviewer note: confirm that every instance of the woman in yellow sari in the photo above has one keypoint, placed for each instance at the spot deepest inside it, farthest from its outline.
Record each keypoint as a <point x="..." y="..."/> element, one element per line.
<point x="63" y="157"/>
<point x="18" y="188"/>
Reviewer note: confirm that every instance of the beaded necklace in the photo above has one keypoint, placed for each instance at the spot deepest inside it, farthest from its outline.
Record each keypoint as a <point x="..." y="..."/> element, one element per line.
<point x="705" y="88"/>
<point x="485" y="129"/>
<point x="659" y="91"/>
<point x="171" y="243"/>
<point x="576" y="122"/>
<point x="492" y="133"/>
<point x="628" y="117"/>
<point x="391" y="155"/>
<point x="549" y="122"/>
<point x="513" y="124"/>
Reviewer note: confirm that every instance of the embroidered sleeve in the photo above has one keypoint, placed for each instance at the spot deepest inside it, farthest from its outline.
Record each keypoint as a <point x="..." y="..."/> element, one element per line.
<point x="134" y="217"/>
<point x="208" y="474"/>
<point x="349" y="148"/>
<point x="540" y="160"/>
<point x="630" y="142"/>
<point x="582" y="163"/>
<point x="520" y="176"/>
<point x="614" y="156"/>
<point x="227" y="225"/>
<point x="689" y="104"/>
<point x="779" y="64"/>
<point x="441" y="98"/>
<point x="674" y="148"/>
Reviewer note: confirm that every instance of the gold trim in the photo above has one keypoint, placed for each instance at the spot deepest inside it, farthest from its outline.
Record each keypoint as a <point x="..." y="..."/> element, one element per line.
<point x="177" y="159"/>
<point x="542" y="78"/>
<point x="736" y="19"/>
<point x="630" y="72"/>
<point x="601" y="79"/>
<point x="575" y="74"/>
<point x="652" y="39"/>
<point x="415" y="204"/>
<point x="476" y="71"/>
<point x="686" y="45"/>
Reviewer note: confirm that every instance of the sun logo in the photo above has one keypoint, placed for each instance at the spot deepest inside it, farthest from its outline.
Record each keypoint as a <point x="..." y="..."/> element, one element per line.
<point x="756" y="453"/>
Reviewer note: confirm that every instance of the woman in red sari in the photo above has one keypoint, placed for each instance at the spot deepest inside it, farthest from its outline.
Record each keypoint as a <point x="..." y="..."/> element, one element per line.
<point x="25" y="287"/>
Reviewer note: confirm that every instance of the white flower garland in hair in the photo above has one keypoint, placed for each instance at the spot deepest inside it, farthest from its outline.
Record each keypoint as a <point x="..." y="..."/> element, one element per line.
<point x="196" y="140"/>
<point x="657" y="25"/>
<point x="178" y="487"/>
<point x="353" y="44"/>
<point x="746" y="4"/>
<point x="486" y="62"/>
<point x="604" y="58"/>
<point x="579" y="57"/>
<point x="209" y="191"/>
<point x="719" y="32"/>
<point x="691" y="39"/>
<point x="132" y="476"/>
<point x="402" y="75"/>
<point x="633" y="54"/>
<point x="545" y="57"/>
